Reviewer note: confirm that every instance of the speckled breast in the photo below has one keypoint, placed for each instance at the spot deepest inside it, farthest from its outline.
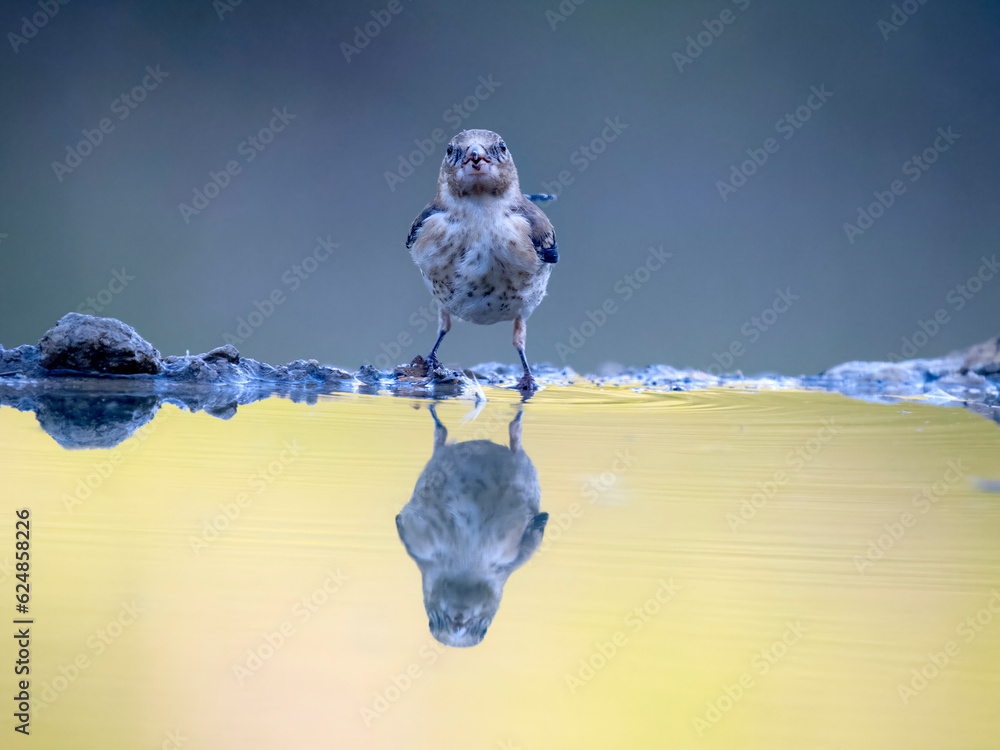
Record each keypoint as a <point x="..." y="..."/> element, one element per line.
<point x="485" y="282"/>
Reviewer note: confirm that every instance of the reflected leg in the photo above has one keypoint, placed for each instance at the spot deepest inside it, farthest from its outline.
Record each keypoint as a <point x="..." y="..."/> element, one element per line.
<point x="514" y="430"/>
<point x="440" y="431"/>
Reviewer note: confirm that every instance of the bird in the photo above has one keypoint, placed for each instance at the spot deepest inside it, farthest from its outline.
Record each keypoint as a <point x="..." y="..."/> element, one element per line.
<point x="472" y="520"/>
<point x="484" y="250"/>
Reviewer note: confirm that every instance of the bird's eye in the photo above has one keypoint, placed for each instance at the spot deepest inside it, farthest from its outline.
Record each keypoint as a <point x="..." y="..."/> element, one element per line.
<point x="503" y="146"/>
<point x="450" y="149"/>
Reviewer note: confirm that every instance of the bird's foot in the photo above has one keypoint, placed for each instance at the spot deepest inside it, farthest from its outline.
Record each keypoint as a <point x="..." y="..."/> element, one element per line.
<point x="527" y="383"/>
<point x="432" y="364"/>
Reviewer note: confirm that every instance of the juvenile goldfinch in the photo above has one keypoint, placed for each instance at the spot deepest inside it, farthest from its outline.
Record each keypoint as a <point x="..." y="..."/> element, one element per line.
<point x="484" y="250"/>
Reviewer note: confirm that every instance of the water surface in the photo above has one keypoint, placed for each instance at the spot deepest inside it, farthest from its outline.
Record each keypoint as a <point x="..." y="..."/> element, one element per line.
<point x="720" y="569"/>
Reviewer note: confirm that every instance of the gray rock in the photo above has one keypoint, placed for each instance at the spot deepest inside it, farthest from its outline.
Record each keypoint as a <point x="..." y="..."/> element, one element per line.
<point x="907" y="371"/>
<point x="97" y="346"/>
<point x="225" y="366"/>
<point x="369" y="375"/>
<point x="21" y="362"/>
<point x="228" y="352"/>
<point x="982" y="359"/>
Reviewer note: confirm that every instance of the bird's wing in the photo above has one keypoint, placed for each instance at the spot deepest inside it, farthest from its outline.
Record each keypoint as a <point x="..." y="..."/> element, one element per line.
<point x="543" y="236"/>
<point x="418" y="223"/>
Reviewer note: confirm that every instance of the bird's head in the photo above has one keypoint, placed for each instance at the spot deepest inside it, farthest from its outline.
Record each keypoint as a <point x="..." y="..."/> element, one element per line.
<point x="461" y="608"/>
<point x="462" y="589"/>
<point x="477" y="162"/>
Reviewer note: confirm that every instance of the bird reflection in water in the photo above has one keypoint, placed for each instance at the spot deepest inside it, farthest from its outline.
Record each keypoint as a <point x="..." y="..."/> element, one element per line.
<point x="473" y="520"/>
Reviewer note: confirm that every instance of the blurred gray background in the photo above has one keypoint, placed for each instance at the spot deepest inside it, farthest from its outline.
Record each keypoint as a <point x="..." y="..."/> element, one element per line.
<point x="108" y="235"/>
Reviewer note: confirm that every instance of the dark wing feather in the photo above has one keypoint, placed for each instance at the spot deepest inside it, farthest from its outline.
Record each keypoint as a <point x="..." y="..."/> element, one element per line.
<point x="543" y="236"/>
<point x="418" y="223"/>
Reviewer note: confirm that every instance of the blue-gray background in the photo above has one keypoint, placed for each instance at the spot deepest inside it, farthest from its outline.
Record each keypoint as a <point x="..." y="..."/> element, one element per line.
<point x="61" y="241"/>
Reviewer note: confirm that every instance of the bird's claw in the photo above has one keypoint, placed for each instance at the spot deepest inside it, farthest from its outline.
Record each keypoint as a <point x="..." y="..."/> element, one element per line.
<point x="527" y="383"/>
<point x="432" y="364"/>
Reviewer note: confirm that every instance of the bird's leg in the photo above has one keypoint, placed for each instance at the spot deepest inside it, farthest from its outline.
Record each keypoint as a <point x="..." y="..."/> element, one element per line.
<point x="444" y="325"/>
<point x="514" y="430"/>
<point x="527" y="382"/>
<point x="432" y="360"/>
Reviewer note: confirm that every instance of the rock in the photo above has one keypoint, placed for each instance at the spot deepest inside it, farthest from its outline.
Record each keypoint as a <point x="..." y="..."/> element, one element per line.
<point x="228" y="352"/>
<point x="982" y="359"/>
<point x="905" y="371"/>
<point x="97" y="346"/>
<point x="369" y="375"/>
<point x="197" y="369"/>
<point x="22" y="361"/>
<point x="875" y="372"/>
<point x="225" y="366"/>
<point x="417" y="369"/>
<point x="312" y="370"/>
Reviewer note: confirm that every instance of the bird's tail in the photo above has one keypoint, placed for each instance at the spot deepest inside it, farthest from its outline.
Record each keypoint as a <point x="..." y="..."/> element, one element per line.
<point x="539" y="197"/>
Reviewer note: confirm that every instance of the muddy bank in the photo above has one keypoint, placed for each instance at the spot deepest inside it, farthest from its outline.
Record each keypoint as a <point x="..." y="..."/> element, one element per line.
<point x="93" y="381"/>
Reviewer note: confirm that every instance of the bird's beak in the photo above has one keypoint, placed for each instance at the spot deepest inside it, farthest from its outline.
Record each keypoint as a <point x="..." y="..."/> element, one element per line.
<point x="477" y="157"/>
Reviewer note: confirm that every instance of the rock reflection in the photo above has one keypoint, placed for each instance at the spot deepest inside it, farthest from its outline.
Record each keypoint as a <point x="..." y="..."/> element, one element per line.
<point x="473" y="520"/>
<point x="77" y="422"/>
<point x="100" y="413"/>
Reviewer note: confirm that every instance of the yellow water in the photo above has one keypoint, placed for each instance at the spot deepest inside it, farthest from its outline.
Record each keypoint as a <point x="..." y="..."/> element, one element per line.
<point x="773" y="628"/>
